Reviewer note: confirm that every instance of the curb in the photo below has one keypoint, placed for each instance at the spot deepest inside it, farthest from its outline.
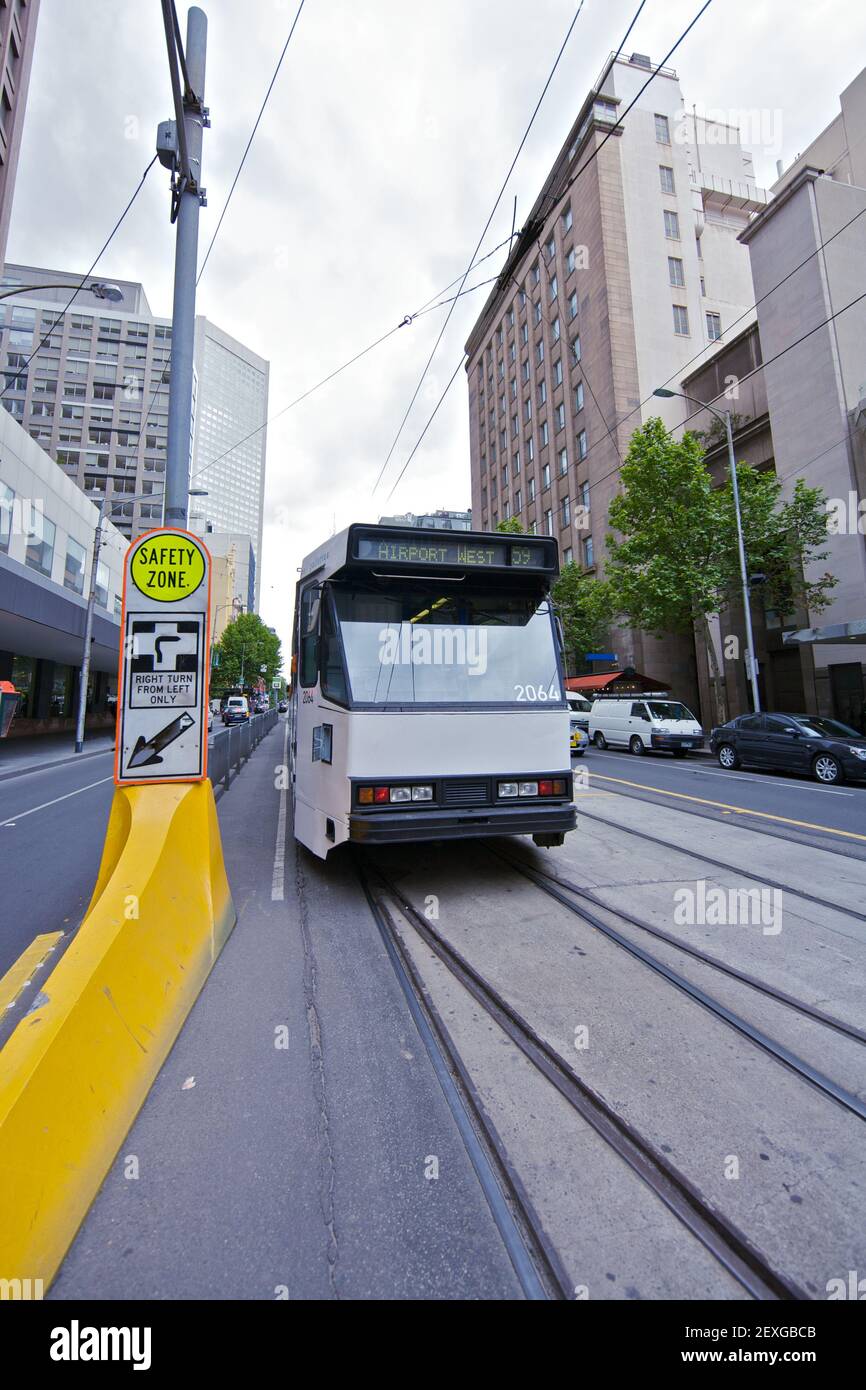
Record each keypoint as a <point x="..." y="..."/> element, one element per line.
<point x="79" y="1065"/>
<point x="54" y="762"/>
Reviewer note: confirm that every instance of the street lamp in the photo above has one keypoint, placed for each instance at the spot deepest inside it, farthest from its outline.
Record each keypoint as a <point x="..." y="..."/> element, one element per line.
<point x="744" y="577"/>
<point x="99" y="288"/>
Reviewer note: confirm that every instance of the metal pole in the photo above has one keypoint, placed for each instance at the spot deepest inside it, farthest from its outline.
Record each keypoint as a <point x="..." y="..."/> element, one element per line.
<point x="185" y="267"/>
<point x="747" y="607"/>
<point x="88" y="633"/>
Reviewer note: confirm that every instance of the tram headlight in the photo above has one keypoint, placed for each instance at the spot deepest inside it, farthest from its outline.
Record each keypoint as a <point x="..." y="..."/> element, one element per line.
<point x="401" y="793"/>
<point x="529" y="789"/>
<point x="507" y="789"/>
<point x="422" y="793"/>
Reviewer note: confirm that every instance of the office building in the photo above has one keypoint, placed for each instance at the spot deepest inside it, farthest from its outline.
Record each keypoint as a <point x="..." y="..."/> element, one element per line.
<point x="17" y="39"/>
<point x="623" y="275"/>
<point x="431" y="521"/>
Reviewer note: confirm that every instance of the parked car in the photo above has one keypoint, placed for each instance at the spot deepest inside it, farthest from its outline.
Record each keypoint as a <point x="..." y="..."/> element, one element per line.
<point x="236" y="709"/>
<point x="283" y="706"/>
<point x="210" y="719"/>
<point x="579" y="738"/>
<point x="642" y="723"/>
<point x="822" y="748"/>
<point x="579" y="707"/>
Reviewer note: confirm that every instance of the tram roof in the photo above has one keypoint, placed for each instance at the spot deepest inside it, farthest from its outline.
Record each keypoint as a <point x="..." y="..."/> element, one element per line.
<point x="414" y="551"/>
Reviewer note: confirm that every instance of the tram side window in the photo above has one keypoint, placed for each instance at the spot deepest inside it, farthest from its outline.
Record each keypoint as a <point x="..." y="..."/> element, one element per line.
<point x="333" y="675"/>
<point x="310" y="600"/>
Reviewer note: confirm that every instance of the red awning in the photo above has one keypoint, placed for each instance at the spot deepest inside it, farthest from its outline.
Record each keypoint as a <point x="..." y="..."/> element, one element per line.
<point x="612" y="680"/>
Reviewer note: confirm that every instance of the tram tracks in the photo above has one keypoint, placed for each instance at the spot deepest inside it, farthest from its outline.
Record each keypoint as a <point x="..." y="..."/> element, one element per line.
<point x="716" y="1232"/>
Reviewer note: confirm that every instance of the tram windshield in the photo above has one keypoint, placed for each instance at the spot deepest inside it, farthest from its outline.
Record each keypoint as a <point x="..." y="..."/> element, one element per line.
<point x="428" y="647"/>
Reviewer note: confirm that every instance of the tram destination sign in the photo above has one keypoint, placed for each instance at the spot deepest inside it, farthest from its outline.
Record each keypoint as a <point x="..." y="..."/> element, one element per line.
<point x="162" y="685"/>
<point x="398" y="548"/>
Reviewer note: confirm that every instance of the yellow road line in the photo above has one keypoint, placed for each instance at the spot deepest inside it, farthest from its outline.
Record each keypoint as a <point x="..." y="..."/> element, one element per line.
<point x="737" y="810"/>
<point x="17" y="975"/>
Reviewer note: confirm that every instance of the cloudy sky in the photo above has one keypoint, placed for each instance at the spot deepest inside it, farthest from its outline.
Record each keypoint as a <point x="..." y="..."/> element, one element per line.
<point x="383" y="147"/>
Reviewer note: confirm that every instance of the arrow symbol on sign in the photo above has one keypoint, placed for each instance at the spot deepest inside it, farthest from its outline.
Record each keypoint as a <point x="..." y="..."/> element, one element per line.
<point x="147" y="751"/>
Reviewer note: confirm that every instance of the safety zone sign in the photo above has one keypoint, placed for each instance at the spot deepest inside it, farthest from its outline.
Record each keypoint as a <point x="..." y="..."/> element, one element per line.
<point x="162" y="688"/>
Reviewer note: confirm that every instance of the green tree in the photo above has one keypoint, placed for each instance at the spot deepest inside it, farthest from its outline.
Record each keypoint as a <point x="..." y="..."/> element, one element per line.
<point x="246" y="646"/>
<point x="511" y="525"/>
<point x="585" y="608"/>
<point x="677" y="562"/>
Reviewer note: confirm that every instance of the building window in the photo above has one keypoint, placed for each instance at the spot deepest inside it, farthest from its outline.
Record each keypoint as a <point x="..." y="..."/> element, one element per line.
<point x="703" y="287"/>
<point x="539" y="351"/>
<point x="578" y="396"/>
<point x="524" y="370"/>
<point x="513" y="389"/>
<point x="535" y="274"/>
<point x="584" y="494"/>
<point x="516" y="462"/>
<point x="551" y="249"/>
<point x="714" y="327"/>
<point x="554" y="288"/>
<point x="566" y="512"/>
<point x="530" y="448"/>
<point x="666" y="178"/>
<point x="575" y="349"/>
<point x="515" y="426"/>
<point x="530" y="489"/>
<point x="518" y="500"/>
<point x="676" y="273"/>
<point x="700" y="251"/>
<point x="548" y="522"/>
<point x="672" y="225"/>
<point x="681" y="320"/>
<point x="663" y="130"/>
<point x="40" y="546"/>
<point x="542" y="393"/>
<point x="572" y="305"/>
<point x="556" y="329"/>
<point x="536" y="310"/>
<point x="568" y="555"/>
<point x="563" y="462"/>
<point x="560" y="416"/>
<point x="524" y="334"/>
<point x="588" y="558"/>
<point x="567" y="219"/>
<point x="557" y="372"/>
<point x="512" y="352"/>
<point x="581" y="445"/>
<point x="545" y="477"/>
<point x="510" y="316"/>
<point x="544" y="434"/>
<point x="73" y="577"/>
<point x="527" y="409"/>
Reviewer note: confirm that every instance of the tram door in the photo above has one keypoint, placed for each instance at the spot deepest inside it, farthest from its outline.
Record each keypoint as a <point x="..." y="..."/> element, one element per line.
<point x="319" y="805"/>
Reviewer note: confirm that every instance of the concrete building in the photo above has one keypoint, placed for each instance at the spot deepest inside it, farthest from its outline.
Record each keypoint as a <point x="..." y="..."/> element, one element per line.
<point x="814" y="232"/>
<point x="230" y="437"/>
<point x="616" y="284"/>
<point x="95" y="397"/>
<point x="17" y="40"/>
<point x="233" y="578"/>
<point x="47" y="529"/>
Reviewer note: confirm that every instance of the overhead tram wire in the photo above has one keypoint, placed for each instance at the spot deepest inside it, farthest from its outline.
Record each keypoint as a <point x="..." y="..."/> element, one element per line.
<point x="250" y="141"/>
<point x="593" y="155"/>
<point x="469" y="267"/>
<point x="405" y="322"/>
<point x="427" y="426"/>
<point x="40" y="345"/>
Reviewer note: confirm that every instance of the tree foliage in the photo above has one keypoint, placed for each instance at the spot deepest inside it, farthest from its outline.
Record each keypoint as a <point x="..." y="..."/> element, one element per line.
<point x="245" y="646"/>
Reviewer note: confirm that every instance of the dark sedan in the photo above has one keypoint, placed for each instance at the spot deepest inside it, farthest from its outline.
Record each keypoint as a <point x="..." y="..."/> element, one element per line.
<point x="815" y="746"/>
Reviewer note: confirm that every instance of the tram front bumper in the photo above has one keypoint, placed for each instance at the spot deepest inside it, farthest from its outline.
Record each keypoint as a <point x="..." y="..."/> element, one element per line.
<point x="390" y="827"/>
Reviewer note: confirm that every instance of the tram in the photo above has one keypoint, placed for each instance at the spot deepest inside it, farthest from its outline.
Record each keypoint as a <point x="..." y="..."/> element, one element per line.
<point x="428" y="700"/>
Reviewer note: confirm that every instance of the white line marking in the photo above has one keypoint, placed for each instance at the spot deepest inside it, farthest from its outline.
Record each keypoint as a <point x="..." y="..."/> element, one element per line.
<point x="765" y="781"/>
<point x="278" y="882"/>
<point x="12" y="819"/>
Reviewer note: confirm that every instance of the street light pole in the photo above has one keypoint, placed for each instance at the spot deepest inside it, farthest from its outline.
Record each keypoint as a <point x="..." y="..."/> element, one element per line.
<point x="84" y="678"/>
<point x="191" y="119"/>
<point x="744" y="573"/>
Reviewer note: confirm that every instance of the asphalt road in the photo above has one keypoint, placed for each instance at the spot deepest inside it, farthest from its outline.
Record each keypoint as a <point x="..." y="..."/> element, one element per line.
<point x="52" y="828"/>
<point x="787" y="805"/>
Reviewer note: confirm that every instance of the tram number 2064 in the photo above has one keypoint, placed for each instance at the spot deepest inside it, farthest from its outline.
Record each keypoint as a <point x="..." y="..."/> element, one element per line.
<point x="537" y="692"/>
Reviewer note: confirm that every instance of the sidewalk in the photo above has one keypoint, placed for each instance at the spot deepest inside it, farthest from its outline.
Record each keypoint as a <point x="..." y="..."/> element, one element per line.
<point x="281" y="1153"/>
<point x="36" y="751"/>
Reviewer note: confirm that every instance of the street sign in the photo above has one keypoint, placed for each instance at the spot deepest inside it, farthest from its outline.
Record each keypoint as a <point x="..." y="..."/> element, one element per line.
<point x="163" y="678"/>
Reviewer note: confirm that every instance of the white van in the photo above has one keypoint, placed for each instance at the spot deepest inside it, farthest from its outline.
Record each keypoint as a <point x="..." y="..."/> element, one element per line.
<point x="579" y="708"/>
<point x="642" y="722"/>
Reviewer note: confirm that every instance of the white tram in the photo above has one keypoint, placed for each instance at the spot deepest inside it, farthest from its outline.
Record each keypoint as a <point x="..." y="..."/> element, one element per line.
<point x="428" y="700"/>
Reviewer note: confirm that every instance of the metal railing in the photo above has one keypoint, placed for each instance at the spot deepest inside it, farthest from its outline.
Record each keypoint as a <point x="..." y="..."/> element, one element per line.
<point x="232" y="746"/>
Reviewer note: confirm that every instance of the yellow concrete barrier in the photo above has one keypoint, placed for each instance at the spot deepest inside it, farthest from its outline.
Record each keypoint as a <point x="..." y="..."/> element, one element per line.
<point x="76" y="1070"/>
